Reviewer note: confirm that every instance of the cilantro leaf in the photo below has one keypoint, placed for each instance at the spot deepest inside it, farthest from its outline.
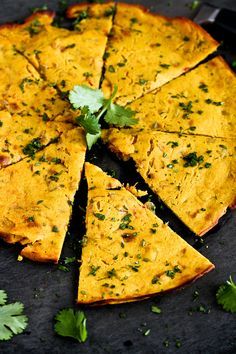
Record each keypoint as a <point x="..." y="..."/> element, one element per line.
<point x="88" y="121"/>
<point x="3" y="297"/>
<point x="226" y="296"/>
<point x="92" y="139"/>
<point x="82" y="96"/>
<point x="120" y="116"/>
<point x="11" y="319"/>
<point x="70" y="323"/>
<point x="93" y="107"/>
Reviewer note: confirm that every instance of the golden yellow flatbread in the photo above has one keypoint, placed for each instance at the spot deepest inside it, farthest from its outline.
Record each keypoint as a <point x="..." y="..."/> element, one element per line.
<point x="194" y="175"/>
<point x="37" y="194"/>
<point x="22" y="89"/>
<point x="129" y="254"/>
<point x="147" y="50"/>
<point x="67" y="58"/>
<point x="23" y="136"/>
<point x="199" y="102"/>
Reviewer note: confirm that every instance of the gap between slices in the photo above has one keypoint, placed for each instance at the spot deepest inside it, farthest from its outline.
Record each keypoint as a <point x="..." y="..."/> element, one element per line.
<point x="125" y="257"/>
<point x="193" y="175"/>
<point x="37" y="195"/>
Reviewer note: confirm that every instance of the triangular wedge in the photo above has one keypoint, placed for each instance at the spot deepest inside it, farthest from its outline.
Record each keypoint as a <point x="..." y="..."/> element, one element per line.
<point x="147" y="50"/>
<point x="199" y="102"/>
<point x="129" y="254"/>
<point x="194" y="175"/>
<point x="67" y="58"/>
<point x="22" y="90"/>
<point x="37" y="194"/>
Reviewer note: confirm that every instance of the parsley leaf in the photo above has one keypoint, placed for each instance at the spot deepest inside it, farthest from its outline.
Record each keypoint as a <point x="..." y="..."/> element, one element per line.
<point x="120" y="116"/>
<point x="70" y="323"/>
<point x="226" y="296"/>
<point x="11" y="319"/>
<point x="88" y="121"/>
<point x="83" y="95"/>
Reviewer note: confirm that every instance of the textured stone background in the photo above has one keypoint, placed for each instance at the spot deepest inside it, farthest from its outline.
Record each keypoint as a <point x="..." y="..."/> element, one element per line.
<point x="44" y="289"/>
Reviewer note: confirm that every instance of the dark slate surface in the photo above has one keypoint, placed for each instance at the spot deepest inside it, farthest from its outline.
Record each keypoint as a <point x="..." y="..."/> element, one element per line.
<point x="44" y="289"/>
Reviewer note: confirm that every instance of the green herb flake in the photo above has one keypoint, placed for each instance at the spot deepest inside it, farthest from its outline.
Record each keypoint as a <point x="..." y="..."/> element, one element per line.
<point x="111" y="69"/>
<point x="82" y="16"/>
<point x="173" y="144"/>
<point x="165" y="66"/>
<point x="93" y="270"/>
<point x="155" y="309"/>
<point x="55" y="229"/>
<point x="155" y="280"/>
<point x="192" y="159"/>
<point x="87" y="74"/>
<point x="142" y="81"/>
<point x="203" y="87"/>
<point x="111" y="273"/>
<point x="171" y="273"/>
<point x="215" y="103"/>
<point x="207" y="165"/>
<point x="31" y="148"/>
<point x="99" y="216"/>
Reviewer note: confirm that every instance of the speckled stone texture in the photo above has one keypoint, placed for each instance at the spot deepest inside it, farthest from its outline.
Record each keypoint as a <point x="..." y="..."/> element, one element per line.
<point x="44" y="289"/>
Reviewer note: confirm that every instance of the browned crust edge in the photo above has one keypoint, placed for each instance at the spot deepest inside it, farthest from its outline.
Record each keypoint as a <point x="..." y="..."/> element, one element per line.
<point x="77" y="7"/>
<point x="33" y="256"/>
<point x="145" y="10"/>
<point x="139" y="298"/>
<point x="11" y="25"/>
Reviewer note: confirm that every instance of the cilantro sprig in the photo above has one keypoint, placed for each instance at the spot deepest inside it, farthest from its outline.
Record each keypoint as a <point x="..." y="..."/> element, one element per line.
<point x="94" y="106"/>
<point x="12" y="321"/>
<point x="226" y="296"/>
<point x="70" y="323"/>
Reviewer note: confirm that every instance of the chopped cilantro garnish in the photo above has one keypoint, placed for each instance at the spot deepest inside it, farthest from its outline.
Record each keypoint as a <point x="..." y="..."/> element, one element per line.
<point x="99" y="216"/>
<point x="31" y="148"/>
<point x="93" y="270"/>
<point x="192" y="159"/>
<point x="173" y="144"/>
<point x="203" y="87"/>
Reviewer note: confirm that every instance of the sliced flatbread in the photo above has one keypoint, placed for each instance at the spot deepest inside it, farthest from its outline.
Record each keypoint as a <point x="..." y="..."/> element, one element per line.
<point x="129" y="254"/>
<point x="199" y="102"/>
<point x="37" y="194"/>
<point x="147" y="50"/>
<point x="67" y="58"/>
<point x="194" y="175"/>
<point x="22" y="136"/>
